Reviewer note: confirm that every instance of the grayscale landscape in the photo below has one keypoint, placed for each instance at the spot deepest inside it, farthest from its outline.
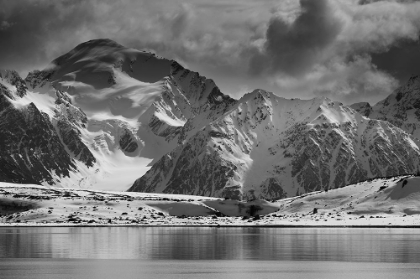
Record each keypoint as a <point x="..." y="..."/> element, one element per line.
<point x="207" y="131"/>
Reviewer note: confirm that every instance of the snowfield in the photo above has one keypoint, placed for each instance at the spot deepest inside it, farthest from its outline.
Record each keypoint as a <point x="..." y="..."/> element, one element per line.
<point x="386" y="202"/>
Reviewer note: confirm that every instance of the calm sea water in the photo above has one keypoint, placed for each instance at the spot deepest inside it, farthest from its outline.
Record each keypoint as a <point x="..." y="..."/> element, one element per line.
<point x="121" y="252"/>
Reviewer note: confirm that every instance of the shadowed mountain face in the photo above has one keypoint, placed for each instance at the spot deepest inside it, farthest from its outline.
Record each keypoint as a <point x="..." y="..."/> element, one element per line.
<point x="31" y="150"/>
<point x="105" y="116"/>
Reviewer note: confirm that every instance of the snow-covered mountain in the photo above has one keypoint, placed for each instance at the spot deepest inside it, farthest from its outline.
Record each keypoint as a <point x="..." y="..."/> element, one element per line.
<point x="270" y="147"/>
<point x="364" y="108"/>
<point x="112" y="111"/>
<point x="31" y="149"/>
<point x="104" y="116"/>
<point x="401" y="108"/>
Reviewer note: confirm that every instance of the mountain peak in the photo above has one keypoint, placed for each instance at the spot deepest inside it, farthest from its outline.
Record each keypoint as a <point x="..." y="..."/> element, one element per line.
<point x="100" y="42"/>
<point x="364" y="108"/>
<point x="413" y="82"/>
<point x="13" y="78"/>
<point x="92" y="48"/>
<point x="101" y="63"/>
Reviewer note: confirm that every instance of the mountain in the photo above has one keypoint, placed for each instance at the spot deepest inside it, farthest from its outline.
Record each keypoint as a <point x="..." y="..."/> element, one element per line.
<point x="31" y="150"/>
<point x="104" y="116"/>
<point x="401" y="108"/>
<point x="112" y="110"/>
<point x="270" y="147"/>
<point x="364" y="108"/>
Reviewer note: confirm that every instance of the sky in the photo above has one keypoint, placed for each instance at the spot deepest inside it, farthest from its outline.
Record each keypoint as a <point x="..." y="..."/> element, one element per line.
<point x="347" y="50"/>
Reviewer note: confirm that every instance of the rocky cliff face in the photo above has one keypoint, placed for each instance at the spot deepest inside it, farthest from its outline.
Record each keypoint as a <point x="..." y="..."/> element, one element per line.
<point x="31" y="151"/>
<point x="270" y="147"/>
<point x="188" y="102"/>
<point x="363" y="108"/>
<point x="39" y="146"/>
<point x="13" y="78"/>
<point x="68" y="121"/>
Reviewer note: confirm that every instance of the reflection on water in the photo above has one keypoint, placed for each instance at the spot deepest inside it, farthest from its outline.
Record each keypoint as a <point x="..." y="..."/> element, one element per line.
<point x="245" y="253"/>
<point x="280" y="244"/>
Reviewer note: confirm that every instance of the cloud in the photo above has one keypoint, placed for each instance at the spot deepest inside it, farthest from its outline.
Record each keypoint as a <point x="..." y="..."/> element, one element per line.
<point x="355" y="80"/>
<point x="4" y="25"/>
<point x="30" y="28"/>
<point x="401" y="60"/>
<point x="291" y="47"/>
<point x="378" y="26"/>
<point x="190" y="31"/>
<point x="327" y="48"/>
<point x="295" y="48"/>
<point x="348" y="82"/>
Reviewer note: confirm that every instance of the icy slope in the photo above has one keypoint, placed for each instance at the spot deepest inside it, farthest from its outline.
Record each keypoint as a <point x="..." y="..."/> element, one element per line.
<point x="394" y="196"/>
<point x="271" y="147"/>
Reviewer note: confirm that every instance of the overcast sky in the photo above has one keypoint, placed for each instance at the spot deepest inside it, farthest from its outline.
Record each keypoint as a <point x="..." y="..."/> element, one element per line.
<point x="348" y="50"/>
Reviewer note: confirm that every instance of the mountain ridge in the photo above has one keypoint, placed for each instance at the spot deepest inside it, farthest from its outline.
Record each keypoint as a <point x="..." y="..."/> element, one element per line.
<point x="401" y="108"/>
<point x="297" y="138"/>
<point x="123" y="116"/>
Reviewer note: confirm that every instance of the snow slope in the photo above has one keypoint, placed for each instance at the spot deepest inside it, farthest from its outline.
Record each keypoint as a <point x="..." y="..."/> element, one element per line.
<point x="383" y="202"/>
<point x="378" y="198"/>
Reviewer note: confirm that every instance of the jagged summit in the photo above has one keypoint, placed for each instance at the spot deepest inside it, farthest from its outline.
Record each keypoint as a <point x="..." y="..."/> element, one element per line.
<point x="414" y="81"/>
<point x="12" y="77"/>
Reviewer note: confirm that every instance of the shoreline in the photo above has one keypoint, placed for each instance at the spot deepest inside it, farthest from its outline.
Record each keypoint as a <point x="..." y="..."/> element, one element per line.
<point x="15" y="225"/>
<point x="381" y="204"/>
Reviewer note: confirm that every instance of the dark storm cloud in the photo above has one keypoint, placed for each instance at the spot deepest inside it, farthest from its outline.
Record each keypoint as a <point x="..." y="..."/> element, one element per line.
<point x="402" y="60"/>
<point x="294" y="48"/>
<point x="34" y="32"/>
<point x="27" y="27"/>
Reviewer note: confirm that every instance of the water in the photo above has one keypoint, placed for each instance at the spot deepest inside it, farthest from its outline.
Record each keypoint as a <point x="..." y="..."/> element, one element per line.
<point x="122" y="252"/>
